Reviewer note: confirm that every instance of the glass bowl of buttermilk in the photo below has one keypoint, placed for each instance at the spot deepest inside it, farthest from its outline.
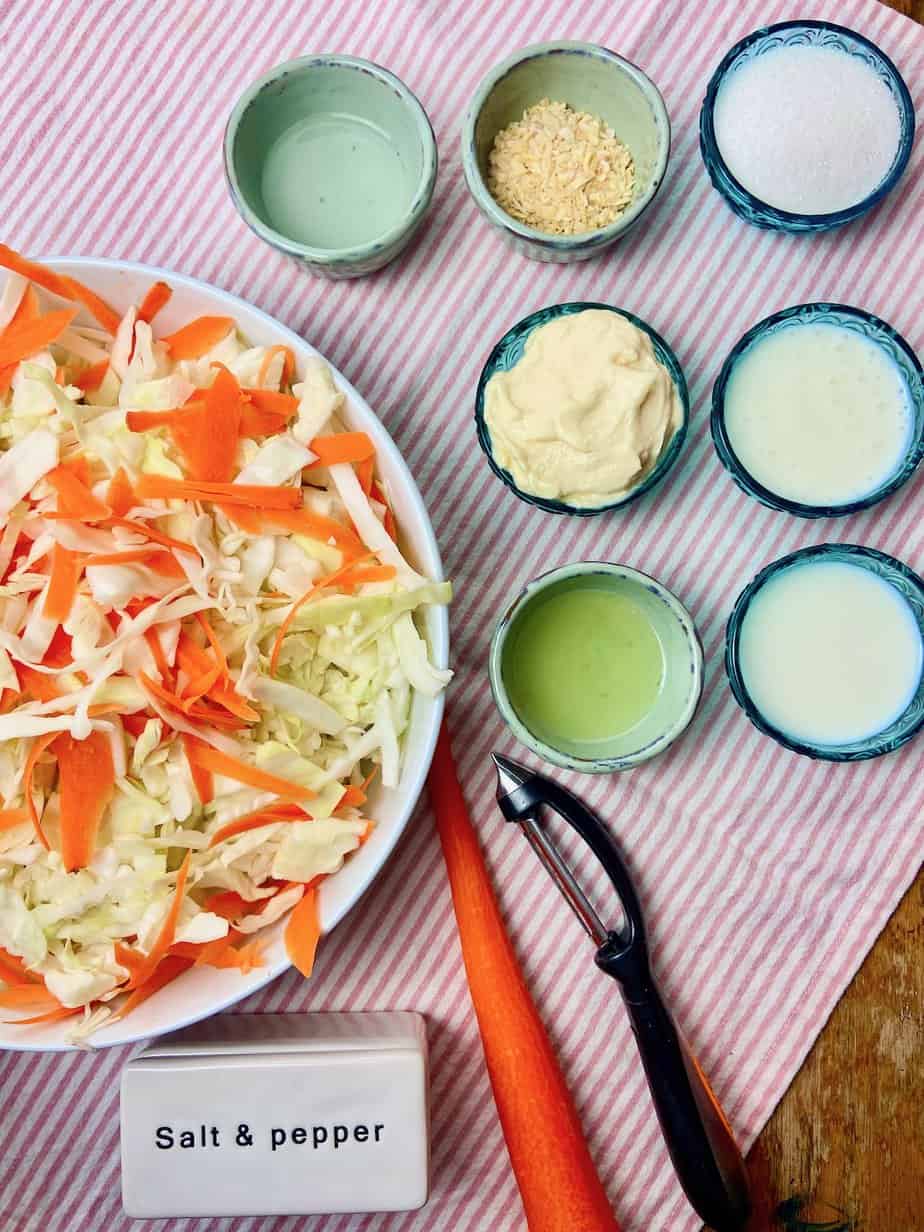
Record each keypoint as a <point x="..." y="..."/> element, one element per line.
<point x="819" y="411"/>
<point x="824" y="652"/>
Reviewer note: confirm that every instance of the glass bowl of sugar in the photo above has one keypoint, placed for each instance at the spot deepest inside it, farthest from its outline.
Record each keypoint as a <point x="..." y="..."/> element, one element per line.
<point x="805" y="126"/>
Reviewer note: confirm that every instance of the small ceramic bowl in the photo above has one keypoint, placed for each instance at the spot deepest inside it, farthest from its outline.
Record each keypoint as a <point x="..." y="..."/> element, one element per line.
<point x="867" y="326"/>
<point x="331" y="160"/>
<point x="592" y="79"/>
<point x="508" y="352"/>
<point x="682" y="680"/>
<point x="802" y="34"/>
<point x="911" y="589"/>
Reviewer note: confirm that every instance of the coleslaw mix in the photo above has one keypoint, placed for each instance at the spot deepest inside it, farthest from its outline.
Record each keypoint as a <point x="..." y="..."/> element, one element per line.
<point x="208" y="647"/>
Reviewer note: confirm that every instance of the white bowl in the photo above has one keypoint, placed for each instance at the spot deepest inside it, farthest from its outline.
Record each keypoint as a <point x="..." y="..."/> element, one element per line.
<point x="203" y="991"/>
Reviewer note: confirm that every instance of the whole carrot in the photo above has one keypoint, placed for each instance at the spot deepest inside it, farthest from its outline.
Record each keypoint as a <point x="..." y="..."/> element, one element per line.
<point x="558" y="1183"/>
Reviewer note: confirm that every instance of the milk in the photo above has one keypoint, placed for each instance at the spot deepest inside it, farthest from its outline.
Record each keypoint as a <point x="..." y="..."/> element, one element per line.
<point x="818" y="414"/>
<point x="829" y="653"/>
<point x="809" y="130"/>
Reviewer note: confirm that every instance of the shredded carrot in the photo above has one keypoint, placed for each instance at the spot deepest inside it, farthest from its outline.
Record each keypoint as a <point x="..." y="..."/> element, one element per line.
<point x="314" y="526"/>
<point x="331" y="580"/>
<point x="222" y="953"/>
<point x="91" y="378"/>
<point x="41" y="275"/>
<point x="207" y="434"/>
<point x="165" y="972"/>
<point x="156" y="536"/>
<point x="201" y="713"/>
<point x="59" y="652"/>
<point x="271" y="401"/>
<point x="134" y="962"/>
<point x="21" y="341"/>
<point x="198" y="686"/>
<point x="152" y="971"/>
<point x="250" y="495"/>
<point x="29" y="307"/>
<point x="107" y="316"/>
<point x="131" y="556"/>
<point x="14" y="971"/>
<point x="8" y="819"/>
<point x="164" y="564"/>
<point x="353" y="797"/>
<point x="391" y="526"/>
<point x="370" y="573"/>
<point x="27" y="996"/>
<point x="78" y="465"/>
<point x="232" y="768"/>
<point x="120" y="496"/>
<point x="144" y="421"/>
<point x="213" y="641"/>
<point x="224" y="695"/>
<point x="230" y="906"/>
<point x="288" y="367"/>
<point x="155" y="297"/>
<point x="66" y="568"/>
<point x="342" y="447"/>
<point x="199" y="336"/>
<point x="247" y="519"/>
<point x="205" y="713"/>
<point x="192" y="658"/>
<point x="51" y="1016"/>
<point x="86" y="781"/>
<point x="75" y="500"/>
<point x="265" y="412"/>
<point x="253" y="821"/>
<point x="41" y="685"/>
<point x="303" y="932"/>
<point x="39" y="744"/>
<point x="168" y="928"/>
<point x="202" y="778"/>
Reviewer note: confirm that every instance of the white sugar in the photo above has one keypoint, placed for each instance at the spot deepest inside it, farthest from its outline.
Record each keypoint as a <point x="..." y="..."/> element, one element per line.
<point x="809" y="130"/>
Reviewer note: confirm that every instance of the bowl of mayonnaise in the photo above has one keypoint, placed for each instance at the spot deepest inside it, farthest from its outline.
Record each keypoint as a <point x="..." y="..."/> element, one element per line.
<point x="581" y="408"/>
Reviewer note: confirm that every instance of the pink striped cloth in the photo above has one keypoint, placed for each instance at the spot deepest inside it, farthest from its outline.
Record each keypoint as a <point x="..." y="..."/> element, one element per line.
<point x="766" y="878"/>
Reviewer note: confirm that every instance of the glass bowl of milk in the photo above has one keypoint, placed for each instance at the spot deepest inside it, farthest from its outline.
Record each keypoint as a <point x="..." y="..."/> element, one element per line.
<point x="819" y="410"/>
<point x="824" y="652"/>
<point x="805" y="126"/>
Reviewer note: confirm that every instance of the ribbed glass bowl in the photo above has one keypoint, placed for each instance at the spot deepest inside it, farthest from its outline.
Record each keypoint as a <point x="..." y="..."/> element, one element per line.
<point x="859" y="322"/>
<point x="908" y="585"/>
<point x="802" y="34"/>
<point x="509" y="351"/>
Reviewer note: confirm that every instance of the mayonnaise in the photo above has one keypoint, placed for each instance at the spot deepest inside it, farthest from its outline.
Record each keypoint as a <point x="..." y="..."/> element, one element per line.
<point x="585" y="413"/>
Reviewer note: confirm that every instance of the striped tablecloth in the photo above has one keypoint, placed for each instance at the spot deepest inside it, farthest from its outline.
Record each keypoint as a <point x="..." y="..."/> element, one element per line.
<point x="765" y="877"/>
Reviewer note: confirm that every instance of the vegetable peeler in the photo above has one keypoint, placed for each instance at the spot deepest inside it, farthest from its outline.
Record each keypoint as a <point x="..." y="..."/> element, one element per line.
<point x="698" y="1136"/>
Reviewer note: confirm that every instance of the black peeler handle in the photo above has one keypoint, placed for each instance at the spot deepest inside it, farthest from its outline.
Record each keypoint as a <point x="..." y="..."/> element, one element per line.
<point x="698" y="1137"/>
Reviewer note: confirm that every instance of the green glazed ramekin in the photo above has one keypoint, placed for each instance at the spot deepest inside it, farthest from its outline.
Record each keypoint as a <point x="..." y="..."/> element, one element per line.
<point x="682" y="678"/>
<point x="335" y="88"/>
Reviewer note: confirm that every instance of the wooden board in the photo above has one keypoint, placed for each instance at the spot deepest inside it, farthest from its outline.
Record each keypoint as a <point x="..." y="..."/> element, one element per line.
<point x="849" y="1134"/>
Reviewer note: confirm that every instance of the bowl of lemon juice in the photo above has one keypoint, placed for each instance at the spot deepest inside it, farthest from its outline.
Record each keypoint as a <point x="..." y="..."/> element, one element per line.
<point x="596" y="667"/>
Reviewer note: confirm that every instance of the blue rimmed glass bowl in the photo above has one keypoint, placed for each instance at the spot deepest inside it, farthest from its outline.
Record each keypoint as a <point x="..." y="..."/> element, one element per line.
<point x="802" y="34"/>
<point x="869" y="327"/>
<point x="509" y="351"/>
<point x="888" y="569"/>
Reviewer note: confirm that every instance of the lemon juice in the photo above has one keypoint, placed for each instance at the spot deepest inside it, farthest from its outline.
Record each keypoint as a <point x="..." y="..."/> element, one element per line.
<point x="582" y="665"/>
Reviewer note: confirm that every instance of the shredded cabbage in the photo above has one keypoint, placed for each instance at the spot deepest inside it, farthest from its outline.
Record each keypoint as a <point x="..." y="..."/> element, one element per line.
<point x="191" y="642"/>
